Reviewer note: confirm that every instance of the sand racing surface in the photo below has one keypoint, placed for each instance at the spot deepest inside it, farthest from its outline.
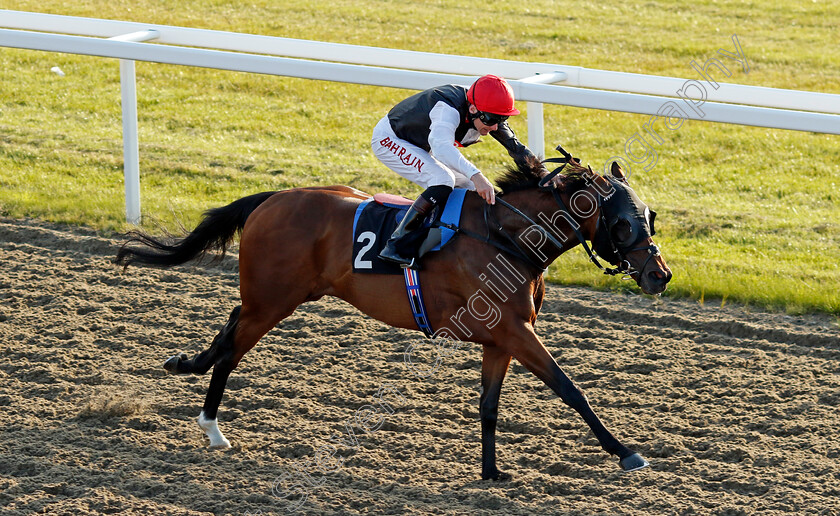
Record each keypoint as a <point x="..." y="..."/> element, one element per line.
<point x="736" y="409"/>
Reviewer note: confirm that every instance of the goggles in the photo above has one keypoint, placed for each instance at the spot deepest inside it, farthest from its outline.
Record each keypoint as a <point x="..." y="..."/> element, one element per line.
<point x="490" y="119"/>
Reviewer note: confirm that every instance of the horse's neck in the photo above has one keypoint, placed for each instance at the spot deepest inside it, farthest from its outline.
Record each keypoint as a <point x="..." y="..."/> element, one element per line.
<point x="548" y="215"/>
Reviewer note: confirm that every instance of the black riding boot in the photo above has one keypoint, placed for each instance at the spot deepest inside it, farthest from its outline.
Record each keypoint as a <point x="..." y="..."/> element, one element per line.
<point x="413" y="219"/>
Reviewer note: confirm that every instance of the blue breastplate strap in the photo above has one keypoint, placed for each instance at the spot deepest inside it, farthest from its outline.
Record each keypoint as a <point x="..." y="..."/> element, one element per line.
<point x="415" y="300"/>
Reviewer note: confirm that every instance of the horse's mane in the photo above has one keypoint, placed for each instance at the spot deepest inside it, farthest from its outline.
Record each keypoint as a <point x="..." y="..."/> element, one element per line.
<point x="524" y="177"/>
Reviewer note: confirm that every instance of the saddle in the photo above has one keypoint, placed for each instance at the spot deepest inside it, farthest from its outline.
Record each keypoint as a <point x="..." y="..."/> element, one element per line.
<point x="376" y="219"/>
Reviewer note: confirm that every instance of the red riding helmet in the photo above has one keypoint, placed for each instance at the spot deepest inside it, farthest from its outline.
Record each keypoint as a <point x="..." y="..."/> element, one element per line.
<point x="492" y="94"/>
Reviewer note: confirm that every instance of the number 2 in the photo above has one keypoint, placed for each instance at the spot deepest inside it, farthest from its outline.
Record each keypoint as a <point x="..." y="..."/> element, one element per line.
<point x="359" y="263"/>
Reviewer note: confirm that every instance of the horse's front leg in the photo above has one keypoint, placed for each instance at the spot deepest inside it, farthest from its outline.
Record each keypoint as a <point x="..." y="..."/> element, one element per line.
<point x="494" y="366"/>
<point x="527" y="348"/>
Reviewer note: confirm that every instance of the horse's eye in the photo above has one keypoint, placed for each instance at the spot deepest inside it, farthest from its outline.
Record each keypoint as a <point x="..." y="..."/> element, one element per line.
<point x="622" y="232"/>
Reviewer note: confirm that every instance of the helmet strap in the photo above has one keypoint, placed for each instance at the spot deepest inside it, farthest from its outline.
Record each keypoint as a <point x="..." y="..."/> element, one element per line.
<point x="471" y="117"/>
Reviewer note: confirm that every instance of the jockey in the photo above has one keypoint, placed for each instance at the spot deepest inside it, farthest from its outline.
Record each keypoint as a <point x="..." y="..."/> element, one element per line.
<point x="418" y="140"/>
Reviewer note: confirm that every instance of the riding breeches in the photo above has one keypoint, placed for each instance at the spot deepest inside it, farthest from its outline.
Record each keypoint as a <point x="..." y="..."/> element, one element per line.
<point x="412" y="162"/>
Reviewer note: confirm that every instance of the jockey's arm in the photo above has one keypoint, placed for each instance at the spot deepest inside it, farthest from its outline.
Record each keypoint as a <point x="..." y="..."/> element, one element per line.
<point x="445" y="121"/>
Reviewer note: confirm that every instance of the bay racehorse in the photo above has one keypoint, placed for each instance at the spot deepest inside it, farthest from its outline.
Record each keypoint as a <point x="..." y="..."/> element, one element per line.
<point x="296" y="246"/>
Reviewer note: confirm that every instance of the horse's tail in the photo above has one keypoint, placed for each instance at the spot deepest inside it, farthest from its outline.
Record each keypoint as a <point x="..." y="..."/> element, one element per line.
<point x="215" y="232"/>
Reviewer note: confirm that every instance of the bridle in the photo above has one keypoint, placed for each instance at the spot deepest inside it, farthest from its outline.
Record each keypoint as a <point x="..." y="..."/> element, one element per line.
<point x="621" y="250"/>
<point x="512" y="247"/>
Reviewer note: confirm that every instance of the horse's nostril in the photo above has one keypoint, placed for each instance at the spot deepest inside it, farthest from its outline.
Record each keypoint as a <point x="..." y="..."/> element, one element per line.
<point x="656" y="276"/>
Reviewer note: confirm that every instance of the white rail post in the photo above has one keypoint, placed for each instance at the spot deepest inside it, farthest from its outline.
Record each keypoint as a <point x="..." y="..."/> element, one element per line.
<point x="536" y="127"/>
<point x="131" y="151"/>
<point x="131" y="145"/>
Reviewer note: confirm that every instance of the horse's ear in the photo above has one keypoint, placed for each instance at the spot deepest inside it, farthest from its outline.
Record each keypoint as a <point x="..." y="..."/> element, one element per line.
<point x="617" y="172"/>
<point x="600" y="180"/>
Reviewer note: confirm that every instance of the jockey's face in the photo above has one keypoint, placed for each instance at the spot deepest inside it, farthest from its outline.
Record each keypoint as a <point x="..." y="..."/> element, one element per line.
<point x="482" y="128"/>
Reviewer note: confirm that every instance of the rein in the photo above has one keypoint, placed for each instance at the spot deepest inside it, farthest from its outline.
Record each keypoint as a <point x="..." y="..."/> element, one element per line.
<point x="516" y="250"/>
<point x="624" y="266"/>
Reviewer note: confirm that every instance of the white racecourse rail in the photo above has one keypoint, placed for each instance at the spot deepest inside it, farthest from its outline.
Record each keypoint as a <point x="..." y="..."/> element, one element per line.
<point x="531" y="82"/>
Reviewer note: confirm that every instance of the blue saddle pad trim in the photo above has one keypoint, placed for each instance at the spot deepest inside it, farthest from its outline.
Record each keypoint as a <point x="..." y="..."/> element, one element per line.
<point x="451" y="214"/>
<point x="359" y="211"/>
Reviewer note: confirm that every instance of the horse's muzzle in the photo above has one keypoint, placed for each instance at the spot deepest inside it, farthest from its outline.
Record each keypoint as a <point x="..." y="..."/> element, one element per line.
<point x="655" y="279"/>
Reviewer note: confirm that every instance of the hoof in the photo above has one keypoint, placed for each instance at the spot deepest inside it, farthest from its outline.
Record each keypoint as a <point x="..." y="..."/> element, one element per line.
<point x="498" y="476"/>
<point x="171" y="365"/>
<point x="211" y="430"/>
<point x="224" y="444"/>
<point x="633" y="463"/>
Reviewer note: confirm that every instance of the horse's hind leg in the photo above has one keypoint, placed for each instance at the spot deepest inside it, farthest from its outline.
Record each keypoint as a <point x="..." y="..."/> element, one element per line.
<point x="247" y="330"/>
<point x="202" y="362"/>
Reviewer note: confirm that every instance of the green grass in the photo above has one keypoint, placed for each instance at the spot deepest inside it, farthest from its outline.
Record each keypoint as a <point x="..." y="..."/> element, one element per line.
<point x="746" y="215"/>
